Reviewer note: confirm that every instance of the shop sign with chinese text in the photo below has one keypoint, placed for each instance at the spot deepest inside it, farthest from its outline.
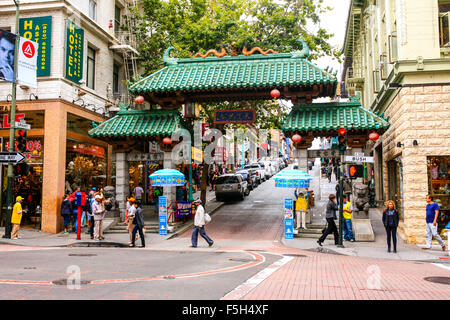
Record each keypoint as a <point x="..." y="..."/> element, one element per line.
<point x="39" y="29"/>
<point x="234" y="116"/>
<point x="74" y="52"/>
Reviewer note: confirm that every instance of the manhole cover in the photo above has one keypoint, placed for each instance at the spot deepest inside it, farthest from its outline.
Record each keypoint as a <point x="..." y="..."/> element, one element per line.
<point x="63" y="282"/>
<point x="82" y="255"/>
<point x="240" y="259"/>
<point x="294" y="255"/>
<point x="441" y="280"/>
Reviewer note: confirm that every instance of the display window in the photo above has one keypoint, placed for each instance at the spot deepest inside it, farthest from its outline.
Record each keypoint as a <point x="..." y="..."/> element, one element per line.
<point x="439" y="187"/>
<point x="86" y="166"/>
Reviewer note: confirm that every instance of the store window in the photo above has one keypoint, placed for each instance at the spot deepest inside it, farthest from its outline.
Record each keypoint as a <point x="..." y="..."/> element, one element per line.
<point x="439" y="187"/>
<point x="86" y="166"/>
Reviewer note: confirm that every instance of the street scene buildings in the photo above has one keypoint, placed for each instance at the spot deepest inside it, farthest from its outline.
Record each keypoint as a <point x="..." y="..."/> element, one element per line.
<point x="159" y="120"/>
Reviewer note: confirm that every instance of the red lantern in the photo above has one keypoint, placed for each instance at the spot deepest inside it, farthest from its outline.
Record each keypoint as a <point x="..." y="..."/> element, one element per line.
<point x="296" y="138"/>
<point x="275" y="94"/>
<point x="167" y="140"/>
<point x="139" y="99"/>
<point x="341" y="131"/>
<point x="374" y="136"/>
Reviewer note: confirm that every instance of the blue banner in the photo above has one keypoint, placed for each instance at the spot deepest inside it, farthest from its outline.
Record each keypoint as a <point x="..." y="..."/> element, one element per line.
<point x="288" y="219"/>
<point x="184" y="209"/>
<point x="162" y="215"/>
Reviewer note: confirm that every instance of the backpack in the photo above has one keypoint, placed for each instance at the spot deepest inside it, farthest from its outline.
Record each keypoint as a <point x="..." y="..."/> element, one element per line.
<point x="108" y="205"/>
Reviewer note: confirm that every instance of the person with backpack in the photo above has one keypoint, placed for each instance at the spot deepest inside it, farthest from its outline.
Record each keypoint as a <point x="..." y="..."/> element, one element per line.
<point x="330" y="216"/>
<point x="432" y="214"/>
<point x="199" y="225"/>
<point x="390" y="221"/>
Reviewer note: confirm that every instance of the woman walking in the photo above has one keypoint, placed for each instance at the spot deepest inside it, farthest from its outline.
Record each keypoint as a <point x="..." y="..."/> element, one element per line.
<point x="390" y="221"/>
<point x="66" y="210"/>
<point x="331" y="225"/>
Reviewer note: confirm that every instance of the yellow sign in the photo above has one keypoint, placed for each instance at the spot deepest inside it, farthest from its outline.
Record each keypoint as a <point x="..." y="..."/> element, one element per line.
<point x="197" y="155"/>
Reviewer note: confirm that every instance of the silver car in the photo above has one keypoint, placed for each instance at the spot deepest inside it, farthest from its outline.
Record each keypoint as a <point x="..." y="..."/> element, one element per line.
<point x="231" y="186"/>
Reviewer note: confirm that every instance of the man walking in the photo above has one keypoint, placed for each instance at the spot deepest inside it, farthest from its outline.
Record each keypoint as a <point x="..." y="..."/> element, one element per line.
<point x="98" y="211"/>
<point x="347" y="221"/>
<point x="138" y="225"/>
<point x="199" y="225"/>
<point x="16" y="217"/>
<point x="432" y="213"/>
<point x="138" y="192"/>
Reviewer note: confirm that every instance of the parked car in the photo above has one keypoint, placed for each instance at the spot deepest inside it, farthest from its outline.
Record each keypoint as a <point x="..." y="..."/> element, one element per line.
<point x="260" y="175"/>
<point x="250" y="177"/>
<point x="268" y="169"/>
<point x="275" y="165"/>
<point x="231" y="185"/>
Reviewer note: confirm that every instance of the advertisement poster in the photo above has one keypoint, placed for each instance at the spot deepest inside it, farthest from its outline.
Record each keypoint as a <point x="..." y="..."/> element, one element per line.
<point x="39" y="29"/>
<point x="27" y="64"/>
<point x="184" y="209"/>
<point x="7" y="48"/>
<point x="74" y="52"/>
<point x="162" y="215"/>
<point x="288" y="219"/>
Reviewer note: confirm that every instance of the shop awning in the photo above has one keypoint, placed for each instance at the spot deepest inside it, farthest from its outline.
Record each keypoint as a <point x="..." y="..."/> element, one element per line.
<point x="138" y="123"/>
<point x="326" y="117"/>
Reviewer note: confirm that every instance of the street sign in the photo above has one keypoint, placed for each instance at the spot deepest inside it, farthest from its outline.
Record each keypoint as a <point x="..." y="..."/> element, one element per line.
<point x="11" y="157"/>
<point x="327" y="153"/>
<point x="288" y="219"/>
<point x="163" y="215"/>
<point x="358" y="159"/>
<point x="22" y="125"/>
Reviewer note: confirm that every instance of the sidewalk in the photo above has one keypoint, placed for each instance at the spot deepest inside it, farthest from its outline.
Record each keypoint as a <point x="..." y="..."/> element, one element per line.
<point x="36" y="238"/>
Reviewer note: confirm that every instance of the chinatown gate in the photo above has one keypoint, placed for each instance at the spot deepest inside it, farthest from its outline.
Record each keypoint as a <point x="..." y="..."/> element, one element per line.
<point x="222" y="77"/>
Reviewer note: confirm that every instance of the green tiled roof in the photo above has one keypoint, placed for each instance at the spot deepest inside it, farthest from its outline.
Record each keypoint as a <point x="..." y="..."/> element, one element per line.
<point x="331" y="116"/>
<point x="138" y="123"/>
<point x="234" y="72"/>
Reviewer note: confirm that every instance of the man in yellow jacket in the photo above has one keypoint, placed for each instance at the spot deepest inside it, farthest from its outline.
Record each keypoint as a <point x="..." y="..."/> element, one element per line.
<point x="16" y="217"/>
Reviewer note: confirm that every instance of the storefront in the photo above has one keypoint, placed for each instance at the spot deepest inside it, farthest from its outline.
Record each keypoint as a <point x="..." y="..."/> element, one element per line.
<point x="439" y="187"/>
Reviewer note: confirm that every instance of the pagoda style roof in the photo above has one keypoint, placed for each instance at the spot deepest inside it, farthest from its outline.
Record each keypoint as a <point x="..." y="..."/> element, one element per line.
<point x="241" y="77"/>
<point x="138" y="123"/>
<point x="328" y="117"/>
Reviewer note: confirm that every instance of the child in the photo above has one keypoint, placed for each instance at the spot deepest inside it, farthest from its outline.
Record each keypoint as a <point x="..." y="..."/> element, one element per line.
<point x="347" y="221"/>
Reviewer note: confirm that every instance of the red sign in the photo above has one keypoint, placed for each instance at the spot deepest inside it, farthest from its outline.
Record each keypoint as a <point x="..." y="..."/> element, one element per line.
<point x="6" y="124"/>
<point x="91" y="150"/>
<point x="28" y="49"/>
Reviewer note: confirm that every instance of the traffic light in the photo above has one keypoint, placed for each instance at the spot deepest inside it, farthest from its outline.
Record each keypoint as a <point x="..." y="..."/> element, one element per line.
<point x="356" y="171"/>
<point x="342" y="139"/>
<point x="22" y="141"/>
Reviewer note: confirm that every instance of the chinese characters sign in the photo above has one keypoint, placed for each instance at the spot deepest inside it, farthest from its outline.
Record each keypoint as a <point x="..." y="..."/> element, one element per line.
<point x="184" y="209"/>
<point x="234" y="116"/>
<point x="74" y="52"/>
<point x="39" y="29"/>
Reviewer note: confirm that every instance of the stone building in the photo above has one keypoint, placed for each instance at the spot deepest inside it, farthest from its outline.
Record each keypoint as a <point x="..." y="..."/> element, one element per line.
<point x="82" y="59"/>
<point x="397" y="59"/>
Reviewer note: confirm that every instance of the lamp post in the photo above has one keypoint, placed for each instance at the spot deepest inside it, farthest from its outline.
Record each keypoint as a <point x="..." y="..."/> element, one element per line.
<point x="9" y="191"/>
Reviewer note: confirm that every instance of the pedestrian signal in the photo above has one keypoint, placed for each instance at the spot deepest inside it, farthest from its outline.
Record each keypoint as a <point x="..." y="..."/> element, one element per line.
<point x="356" y="171"/>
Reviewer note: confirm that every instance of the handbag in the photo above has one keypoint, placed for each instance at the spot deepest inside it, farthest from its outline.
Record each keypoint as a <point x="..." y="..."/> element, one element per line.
<point x="207" y="218"/>
<point x="325" y="229"/>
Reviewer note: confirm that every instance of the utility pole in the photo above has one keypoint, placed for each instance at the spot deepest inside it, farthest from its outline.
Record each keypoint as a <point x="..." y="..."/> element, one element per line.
<point x="341" y="196"/>
<point x="9" y="190"/>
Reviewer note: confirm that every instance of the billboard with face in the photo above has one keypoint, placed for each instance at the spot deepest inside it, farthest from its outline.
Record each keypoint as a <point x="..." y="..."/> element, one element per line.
<point x="7" y="47"/>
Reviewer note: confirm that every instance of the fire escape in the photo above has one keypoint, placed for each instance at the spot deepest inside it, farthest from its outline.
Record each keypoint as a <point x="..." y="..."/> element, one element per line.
<point x="126" y="45"/>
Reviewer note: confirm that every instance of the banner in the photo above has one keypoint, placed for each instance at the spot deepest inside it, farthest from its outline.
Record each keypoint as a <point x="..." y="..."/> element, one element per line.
<point x="26" y="66"/>
<point x="162" y="215"/>
<point x="39" y="29"/>
<point x="7" y="47"/>
<point x="288" y="219"/>
<point x="184" y="209"/>
<point x="74" y="52"/>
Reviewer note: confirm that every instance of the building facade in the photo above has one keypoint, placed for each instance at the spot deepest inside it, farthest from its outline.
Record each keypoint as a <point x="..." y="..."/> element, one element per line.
<point x="82" y="62"/>
<point x="397" y="60"/>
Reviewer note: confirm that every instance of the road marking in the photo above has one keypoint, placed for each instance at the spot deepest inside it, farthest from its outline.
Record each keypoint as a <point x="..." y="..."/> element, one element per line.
<point x="441" y="266"/>
<point x="253" y="282"/>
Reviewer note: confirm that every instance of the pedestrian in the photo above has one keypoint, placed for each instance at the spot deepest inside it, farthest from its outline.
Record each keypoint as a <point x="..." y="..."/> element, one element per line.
<point x="390" y="222"/>
<point x="66" y="211"/>
<point x="16" y="217"/>
<point x="347" y="219"/>
<point x="329" y="171"/>
<point x="330" y="216"/>
<point x="130" y="218"/>
<point x="98" y="211"/>
<point x="138" y="225"/>
<point x="301" y="206"/>
<point x="138" y="192"/>
<point x="432" y="213"/>
<point x="90" y="214"/>
<point x="199" y="225"/>
<point x="347" y="187"/>
<point x="156" y="195"/>
<point x="337" y="193"/>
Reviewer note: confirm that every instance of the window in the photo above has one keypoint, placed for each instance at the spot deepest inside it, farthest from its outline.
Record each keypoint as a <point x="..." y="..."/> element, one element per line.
<point x="115" y="79"/>
<point x="93" y="9"/>
<point x="393" y="57"/>
<point x="90" y="68"/>
<point x="376" y="81"/>
<point x="384" y="66"/>
<point x="116" y="18"/>
<point x="444" y="27"/>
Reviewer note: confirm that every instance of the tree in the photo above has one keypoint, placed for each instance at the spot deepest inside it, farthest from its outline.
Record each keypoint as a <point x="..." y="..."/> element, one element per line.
<point x="193" y="26"/>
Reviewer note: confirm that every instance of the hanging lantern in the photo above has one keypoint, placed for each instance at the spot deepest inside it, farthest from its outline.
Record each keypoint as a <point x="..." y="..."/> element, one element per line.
<point x="374" y="136"/>
<point x="341" y="131"/>
<point x="275" y="94"/>
<point x="296" y="138"/>
<point x="167" y="140"/>
<point x="139" y="99"/>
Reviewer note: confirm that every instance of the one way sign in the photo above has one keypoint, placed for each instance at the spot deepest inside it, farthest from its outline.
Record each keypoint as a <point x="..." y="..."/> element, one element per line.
<point x="11" y="157"/>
